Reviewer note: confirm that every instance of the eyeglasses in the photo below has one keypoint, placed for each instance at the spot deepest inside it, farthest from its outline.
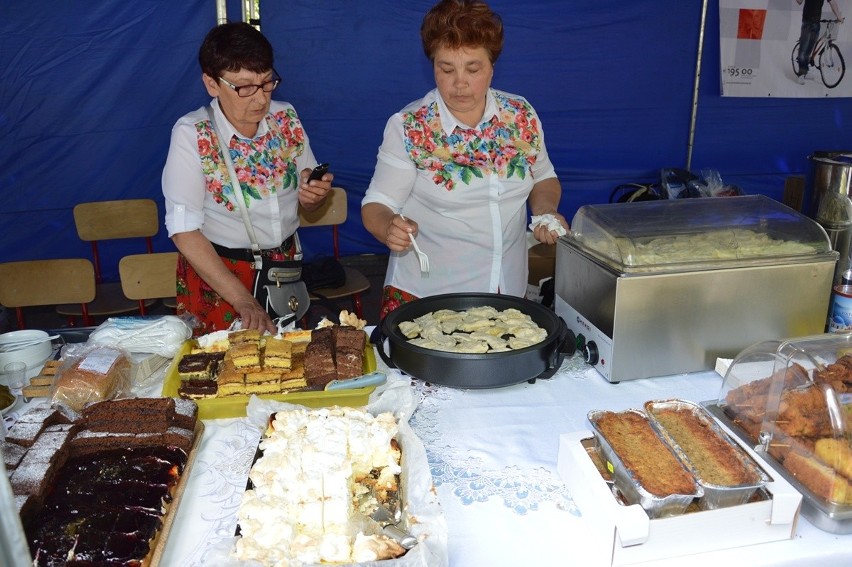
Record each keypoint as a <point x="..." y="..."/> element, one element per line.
<point x="248" y="90"/>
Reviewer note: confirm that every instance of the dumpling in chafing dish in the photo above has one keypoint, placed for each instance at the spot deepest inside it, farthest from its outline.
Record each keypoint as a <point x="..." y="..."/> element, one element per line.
<point x="432" y="330"/>
<point x="442" y="314"/>
<point x="472" y="322"/>
<point x="451" y="324"/>
<point x="497" y="330"/>
<point x="511" y="313"/>
<point x="493" y="342"/>
<point x="409" y="329"/>
<point x="534" y="334"/>
<point x="485" y="311"/>
<point x="476" y="330"/>
<point x="466" y="344"/>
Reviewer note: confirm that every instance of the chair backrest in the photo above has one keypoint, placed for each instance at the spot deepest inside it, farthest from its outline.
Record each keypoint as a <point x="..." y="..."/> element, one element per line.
<point x="125" y="218"/>
<point x="47" y="282"/>
<point x="148" y="276"/>
<point x="109" y="220"/>
<point x="333" y="212"/>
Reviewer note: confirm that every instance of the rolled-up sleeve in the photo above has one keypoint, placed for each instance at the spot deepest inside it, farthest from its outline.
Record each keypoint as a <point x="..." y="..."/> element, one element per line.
<point x="183" y="181"/>
<point x="543" y="167"/>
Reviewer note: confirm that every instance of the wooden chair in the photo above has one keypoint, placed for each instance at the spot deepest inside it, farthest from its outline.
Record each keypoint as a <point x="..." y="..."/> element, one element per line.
<point x="333" y="213"/>
<point x="109" y="220"/>
<point x="148" y="276"/>
<point x="47" y="282"/>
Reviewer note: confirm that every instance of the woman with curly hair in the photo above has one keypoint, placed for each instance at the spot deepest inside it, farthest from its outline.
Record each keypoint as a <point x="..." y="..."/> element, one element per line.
<point x="458" y="168"/>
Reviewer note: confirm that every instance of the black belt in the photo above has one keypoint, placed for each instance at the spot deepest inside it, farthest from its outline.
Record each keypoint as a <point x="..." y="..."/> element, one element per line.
<point x="246" y="254"/>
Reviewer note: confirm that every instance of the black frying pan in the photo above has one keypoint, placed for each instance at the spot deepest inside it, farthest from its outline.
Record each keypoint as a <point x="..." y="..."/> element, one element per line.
<point x="462" y="370"/>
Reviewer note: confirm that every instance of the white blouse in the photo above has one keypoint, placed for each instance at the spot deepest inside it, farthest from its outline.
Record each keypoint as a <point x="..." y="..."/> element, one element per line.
<point x="466" y="188"/>
<point x="197" y="186"/>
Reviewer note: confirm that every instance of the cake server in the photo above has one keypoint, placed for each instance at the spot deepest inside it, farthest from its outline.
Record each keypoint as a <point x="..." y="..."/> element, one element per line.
<point x="376" y="378"/>
<point x="390" y="526"/>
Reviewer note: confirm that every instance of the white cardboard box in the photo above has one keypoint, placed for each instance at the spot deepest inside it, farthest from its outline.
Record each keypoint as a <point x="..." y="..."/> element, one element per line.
<point x="624" y="534"/>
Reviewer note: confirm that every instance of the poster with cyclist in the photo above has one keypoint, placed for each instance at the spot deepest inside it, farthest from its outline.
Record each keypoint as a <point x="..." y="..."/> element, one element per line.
<point x="785" y="48"/>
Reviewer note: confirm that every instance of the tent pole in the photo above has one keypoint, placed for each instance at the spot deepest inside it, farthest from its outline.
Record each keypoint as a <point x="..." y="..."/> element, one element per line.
<point x="221" y="12"/>
<point x="695" y="88"/>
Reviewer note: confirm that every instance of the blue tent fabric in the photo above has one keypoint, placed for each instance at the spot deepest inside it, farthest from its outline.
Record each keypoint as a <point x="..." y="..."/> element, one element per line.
<point x="89" y="93"/>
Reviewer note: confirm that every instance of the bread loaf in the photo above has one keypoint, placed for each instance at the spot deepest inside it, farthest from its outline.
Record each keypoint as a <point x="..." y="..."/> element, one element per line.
<point x="94" y="376"/>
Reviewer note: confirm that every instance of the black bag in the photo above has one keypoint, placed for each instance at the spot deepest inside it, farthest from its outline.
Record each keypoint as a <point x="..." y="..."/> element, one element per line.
<point x="324" y="272"/>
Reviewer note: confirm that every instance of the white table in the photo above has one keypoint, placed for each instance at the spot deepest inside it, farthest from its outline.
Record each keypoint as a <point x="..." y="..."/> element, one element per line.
<point x="493" y="457"/>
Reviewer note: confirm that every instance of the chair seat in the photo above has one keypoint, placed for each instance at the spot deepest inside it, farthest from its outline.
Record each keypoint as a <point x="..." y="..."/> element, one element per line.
<point x="109" y="300"/>
<point x="356" y="282"/>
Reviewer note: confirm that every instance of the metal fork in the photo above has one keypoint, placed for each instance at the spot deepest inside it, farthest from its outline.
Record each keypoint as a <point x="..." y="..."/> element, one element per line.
<point x="424" y="259"/>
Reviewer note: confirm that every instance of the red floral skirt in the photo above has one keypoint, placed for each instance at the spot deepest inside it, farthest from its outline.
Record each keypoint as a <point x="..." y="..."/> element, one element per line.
<point x="392" y="298"/>
<point x="197" y="298"/>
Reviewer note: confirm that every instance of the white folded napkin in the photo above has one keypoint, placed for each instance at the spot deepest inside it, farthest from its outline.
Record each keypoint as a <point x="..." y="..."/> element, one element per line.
<point x="550" y="221"/>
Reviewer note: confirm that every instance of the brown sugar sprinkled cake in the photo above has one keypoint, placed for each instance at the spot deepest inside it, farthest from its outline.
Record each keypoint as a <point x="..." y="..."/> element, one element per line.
<point x="714" y="459"/>
<point x="644" y="454"/>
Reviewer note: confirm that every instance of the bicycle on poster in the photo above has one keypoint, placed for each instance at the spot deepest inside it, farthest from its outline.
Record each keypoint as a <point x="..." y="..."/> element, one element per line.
<point x="826" y="57"/>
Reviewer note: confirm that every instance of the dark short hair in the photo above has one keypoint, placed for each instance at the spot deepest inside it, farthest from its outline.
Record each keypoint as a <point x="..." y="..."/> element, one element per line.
<point x="462" y="23"/>
<point x="235" y="46"/>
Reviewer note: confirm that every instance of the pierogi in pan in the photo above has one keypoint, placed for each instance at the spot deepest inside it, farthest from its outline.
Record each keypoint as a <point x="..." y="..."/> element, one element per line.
<point x="476" y="330"/>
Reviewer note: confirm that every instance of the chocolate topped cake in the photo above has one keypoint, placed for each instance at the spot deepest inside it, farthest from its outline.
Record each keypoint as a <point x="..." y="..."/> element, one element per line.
<point x="95" y="491"/>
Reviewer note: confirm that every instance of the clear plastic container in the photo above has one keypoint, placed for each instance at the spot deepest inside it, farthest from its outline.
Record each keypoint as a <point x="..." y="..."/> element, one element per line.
<point x="792" y="401"/>
<point x="684" y="234"/>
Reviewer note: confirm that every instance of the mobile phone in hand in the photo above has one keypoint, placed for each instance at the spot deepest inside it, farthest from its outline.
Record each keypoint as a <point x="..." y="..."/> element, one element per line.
<point x="318" y="172"/>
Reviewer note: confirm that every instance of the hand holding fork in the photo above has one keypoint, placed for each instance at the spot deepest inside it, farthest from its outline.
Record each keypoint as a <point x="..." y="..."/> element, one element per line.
<point x="424" y="259"/>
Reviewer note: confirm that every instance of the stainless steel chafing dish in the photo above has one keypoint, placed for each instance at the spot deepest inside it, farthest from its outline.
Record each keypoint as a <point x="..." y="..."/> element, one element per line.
<point x="657" y="288"/>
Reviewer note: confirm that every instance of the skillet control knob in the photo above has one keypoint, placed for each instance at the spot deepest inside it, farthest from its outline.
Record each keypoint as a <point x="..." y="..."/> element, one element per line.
<point x="590" y="353"/>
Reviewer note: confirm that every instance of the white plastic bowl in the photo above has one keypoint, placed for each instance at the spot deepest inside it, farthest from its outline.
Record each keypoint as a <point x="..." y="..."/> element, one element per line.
<point x="34" y="356"/>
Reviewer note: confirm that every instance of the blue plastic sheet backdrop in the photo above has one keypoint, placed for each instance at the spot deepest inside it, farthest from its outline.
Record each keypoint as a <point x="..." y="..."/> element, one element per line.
<point x="89" y="93"/>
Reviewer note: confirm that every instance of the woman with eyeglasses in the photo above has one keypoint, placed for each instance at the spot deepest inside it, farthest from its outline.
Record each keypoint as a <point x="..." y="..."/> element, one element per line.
<point x="272" y="159"/>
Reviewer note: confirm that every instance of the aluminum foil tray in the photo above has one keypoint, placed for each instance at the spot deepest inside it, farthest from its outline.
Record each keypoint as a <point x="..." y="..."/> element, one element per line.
<point x="715" y="495"/>
<point x="628" y="484"/>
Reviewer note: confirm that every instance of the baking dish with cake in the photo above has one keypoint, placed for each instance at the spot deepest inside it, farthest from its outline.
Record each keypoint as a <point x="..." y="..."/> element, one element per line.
<point x="726" y="474"/>
<point x="792" y="401"/>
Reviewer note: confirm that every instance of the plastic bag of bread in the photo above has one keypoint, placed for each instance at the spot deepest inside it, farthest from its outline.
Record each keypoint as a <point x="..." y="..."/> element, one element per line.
<point x="91" y="374"/>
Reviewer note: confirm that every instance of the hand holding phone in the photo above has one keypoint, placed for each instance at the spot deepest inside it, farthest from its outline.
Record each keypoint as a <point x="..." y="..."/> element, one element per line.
<point x="318" y="172"/>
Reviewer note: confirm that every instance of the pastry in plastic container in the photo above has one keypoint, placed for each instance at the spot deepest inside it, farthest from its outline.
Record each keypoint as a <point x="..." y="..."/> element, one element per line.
<point x="792" y="400"/>
<point x="724" y="471"/>
<point x="646" y="470"/>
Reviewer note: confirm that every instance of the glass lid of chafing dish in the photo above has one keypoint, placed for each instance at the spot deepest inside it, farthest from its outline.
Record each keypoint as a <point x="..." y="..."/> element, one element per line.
<point x="677" y="232"/>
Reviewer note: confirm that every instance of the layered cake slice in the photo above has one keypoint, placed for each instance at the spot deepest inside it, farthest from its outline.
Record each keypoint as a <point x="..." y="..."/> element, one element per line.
<point x="245" y="356"/>
<point x="266" y="381"/>
<point x="231" y="381"/>
<point x="277" y="353"/>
